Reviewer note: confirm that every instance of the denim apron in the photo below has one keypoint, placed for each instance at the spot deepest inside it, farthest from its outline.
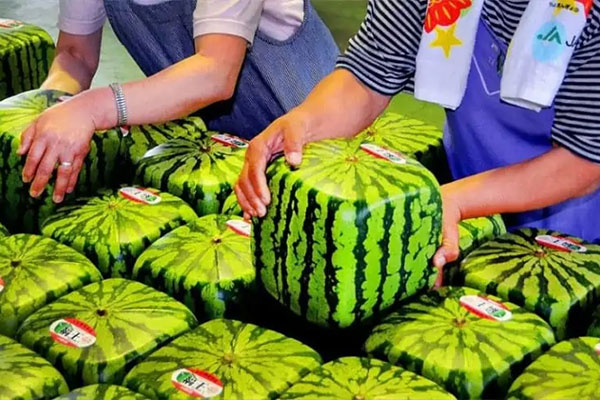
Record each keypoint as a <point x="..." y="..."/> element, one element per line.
<point x="485" y="133"/>
<point x="276" y="75"/>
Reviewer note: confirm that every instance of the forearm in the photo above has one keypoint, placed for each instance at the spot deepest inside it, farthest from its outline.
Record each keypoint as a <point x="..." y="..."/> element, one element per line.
<point x="550" y="179"/>
<point x="340" y="106"/>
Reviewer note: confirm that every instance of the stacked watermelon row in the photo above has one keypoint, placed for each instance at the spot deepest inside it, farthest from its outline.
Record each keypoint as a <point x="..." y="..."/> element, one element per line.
<point x="26" y="53"/>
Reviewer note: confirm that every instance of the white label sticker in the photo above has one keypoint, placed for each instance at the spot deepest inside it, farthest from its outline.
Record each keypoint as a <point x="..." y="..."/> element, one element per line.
<point x="73" y="333"/>
<point x="1" y="284"/>
<point x="240" y="227"/>
<point x="10" y="23"/>
<point x="140" y="195"/>
<point x="197" y="383"/>
<point x="486" y="308"/>
<point x="230" y="140"/>
<point x="561" y="244"/>
<point x="383" y="153"/>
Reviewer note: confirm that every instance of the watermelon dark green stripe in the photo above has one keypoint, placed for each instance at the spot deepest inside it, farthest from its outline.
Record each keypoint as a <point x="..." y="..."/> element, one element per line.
<point x="471" y="357"/>
<point x="251" y="362"/>
<point x="36" y="271"/>
<point x="198" y="169"/>
<point x="113" y="231"/>
<point x="102" y="392"/>
<point x="562" y="287"/>
<point x="26" y="376"/>
<point x="19" y="211"/>
<point x="347" y="234"/>
<point x="130" y="320"/>
<point x="569" y="370"/>
<point x="205" y="264"/>
<point x="26" y="53"/>
<point x="363" y="378"/>
<point x="594" y="329"/>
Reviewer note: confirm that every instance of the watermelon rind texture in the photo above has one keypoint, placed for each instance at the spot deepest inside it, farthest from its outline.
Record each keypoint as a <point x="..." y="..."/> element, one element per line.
<point x="26" y="53"/>
<point x="231" y="206"/>
<point x="112" y="230"/>
<point x="102" y="392"/>
<point x="200" y="170"/>
<point x="347" y="234"/>
<point x="36" y="271"/>
<point x="569" y="370"/>
<point x="18" y="210"/>
<point x="561" y="286"/>
<point x="473" y="233"/>
<point x="25" y="375"/>
<point x="437" y="337"/>
<point x="206" y="264"/>
<point x="594" y="328"/>
<point x="3" y="231"/>
<point x="364" y="378"/>
<point x="413" y="138"/>
<point x="250" y="362"/>
<point x="127" y="319"/>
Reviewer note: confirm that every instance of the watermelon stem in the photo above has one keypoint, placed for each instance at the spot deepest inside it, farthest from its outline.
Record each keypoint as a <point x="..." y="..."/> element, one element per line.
<point x="101" y="312"/>
<point x="359" y="397"/>
<point x="15" y="263"/>
<point x="228" y="358"/>
<point x="460" y="322"/>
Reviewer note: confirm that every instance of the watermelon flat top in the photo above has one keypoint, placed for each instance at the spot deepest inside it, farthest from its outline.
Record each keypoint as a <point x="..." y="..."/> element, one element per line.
<point x="102" y="392"/>
<point x="17" y="112"/>
<point x="35" y="271"/>
<point x="236" y="360"/>
<point x="26" y="376"/>
<point x="114" y="228"/>
<point x="470" y="355"/>
<point x="569" y="370"/>
<point x="356" y="378"/>
<point x="201" y="262"/>
<point x="93" y="335"/>
<point x="524" y="267"/>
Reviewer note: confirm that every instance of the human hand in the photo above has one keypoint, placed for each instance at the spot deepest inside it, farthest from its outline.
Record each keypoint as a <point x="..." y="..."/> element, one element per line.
<point x="449" y="250"/>
<point x="59" y="136"/>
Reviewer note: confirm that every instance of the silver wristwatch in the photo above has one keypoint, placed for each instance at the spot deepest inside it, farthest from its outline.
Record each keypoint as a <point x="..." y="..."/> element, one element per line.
<point x="122" y="116"/>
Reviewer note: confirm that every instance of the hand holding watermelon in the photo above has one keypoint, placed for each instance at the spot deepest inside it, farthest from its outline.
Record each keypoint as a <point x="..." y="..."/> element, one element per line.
<point x="449" y="251"/>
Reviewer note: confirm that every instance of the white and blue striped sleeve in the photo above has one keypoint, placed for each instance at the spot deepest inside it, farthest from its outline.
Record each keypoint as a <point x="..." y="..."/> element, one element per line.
<point x="382" y="54"/>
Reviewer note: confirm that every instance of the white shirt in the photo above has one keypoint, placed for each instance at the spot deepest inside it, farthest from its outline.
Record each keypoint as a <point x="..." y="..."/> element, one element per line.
<point x="278" y="19"/>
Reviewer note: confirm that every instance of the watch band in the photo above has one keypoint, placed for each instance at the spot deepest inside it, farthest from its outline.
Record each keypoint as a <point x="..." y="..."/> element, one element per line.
<point x="122" y="115"/>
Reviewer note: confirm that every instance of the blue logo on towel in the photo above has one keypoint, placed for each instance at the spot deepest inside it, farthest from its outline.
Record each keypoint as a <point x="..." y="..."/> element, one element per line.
<point x="550" y="41"/>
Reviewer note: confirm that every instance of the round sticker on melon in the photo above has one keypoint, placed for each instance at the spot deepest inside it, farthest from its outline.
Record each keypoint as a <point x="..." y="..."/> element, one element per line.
<point x="1" y="284"/>
<point x="486" y="308"/>
<point x="383" y="153"/>
<point x="140" y="195"/>
<point x="230" y="140"/>
<point x="72" y="333"/>
<point x="197" y="383"/>
<point x="240" y="227"/>
<point x="10" y="23"/>
<point x="559" y="243"/>
<point x="597" y="348"/>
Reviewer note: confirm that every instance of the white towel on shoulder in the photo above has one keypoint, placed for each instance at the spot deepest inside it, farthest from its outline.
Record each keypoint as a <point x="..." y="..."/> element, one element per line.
<point x="536" y="63"/>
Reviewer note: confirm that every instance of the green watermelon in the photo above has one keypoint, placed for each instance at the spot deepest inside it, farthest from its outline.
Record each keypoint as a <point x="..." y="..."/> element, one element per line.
<point x="243" y="360"/>
<point x="414" y="138"/>
<point x="473" y="233"/>
<point x="354" y="378"/>
<point x="472" y="353"/>
<point x="570" y="370"/>
<point x="102" y="392"/>
<point x="26" y="53"/>
<point x="594" y="329"/>
<point x="97" y="333"/>
<point x="114" y="228"/>
<point x="26" y="376"/>
<point x="140" y="139"/>
<point x="560" y="286"/>
<point x="206" y="264"/>
<point x="347" y="234"/>
<point x="35" y="271"/>
<point x="231" y="206"/>
<point x="19" y="211"/>
<point x="3" y="231"/>
<point x="202" y="170"/>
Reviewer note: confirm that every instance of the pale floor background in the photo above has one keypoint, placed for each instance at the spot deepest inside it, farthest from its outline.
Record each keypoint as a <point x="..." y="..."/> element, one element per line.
<point x="342" y="16"/>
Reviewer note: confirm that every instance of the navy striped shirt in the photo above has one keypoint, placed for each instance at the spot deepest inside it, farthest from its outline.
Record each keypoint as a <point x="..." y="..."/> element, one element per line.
<point x="382" y="55"/>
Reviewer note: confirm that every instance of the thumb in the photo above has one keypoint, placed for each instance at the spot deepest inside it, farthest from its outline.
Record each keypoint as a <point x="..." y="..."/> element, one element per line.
<point x="449" y="250"/>
<point x="293" y="142"/>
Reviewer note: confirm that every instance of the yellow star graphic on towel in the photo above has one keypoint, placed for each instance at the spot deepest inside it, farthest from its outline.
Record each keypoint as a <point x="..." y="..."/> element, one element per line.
<point x="565" y="5"/>
<point x="445" y="39"/>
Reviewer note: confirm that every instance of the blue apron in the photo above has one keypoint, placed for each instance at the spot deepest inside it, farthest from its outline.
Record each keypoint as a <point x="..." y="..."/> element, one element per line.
<point x="485" y="133"/>
<point x="276" y="75"/>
